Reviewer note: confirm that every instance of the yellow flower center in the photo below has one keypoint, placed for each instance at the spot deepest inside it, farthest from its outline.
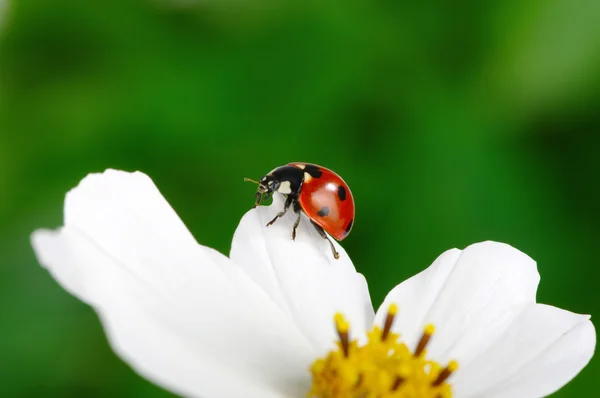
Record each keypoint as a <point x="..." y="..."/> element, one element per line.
<point x="383" y="367"/>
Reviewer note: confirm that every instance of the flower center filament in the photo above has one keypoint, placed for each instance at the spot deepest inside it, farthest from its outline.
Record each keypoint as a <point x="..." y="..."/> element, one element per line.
<point x="382" y="367"/>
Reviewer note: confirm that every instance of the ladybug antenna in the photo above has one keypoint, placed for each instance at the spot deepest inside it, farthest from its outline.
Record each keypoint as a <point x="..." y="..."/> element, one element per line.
<point x="249" y="180"/>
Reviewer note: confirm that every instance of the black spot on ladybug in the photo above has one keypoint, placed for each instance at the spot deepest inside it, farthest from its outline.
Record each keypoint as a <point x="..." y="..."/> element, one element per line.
<point x="323" y="212"/>
<point x="342" y="193"/>
<point x="313" y="170"/>
<point x="349" y="227"/>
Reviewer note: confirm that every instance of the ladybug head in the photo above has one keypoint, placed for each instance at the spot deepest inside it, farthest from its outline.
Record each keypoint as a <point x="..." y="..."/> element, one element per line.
<point x="285" y="179"/>
<point x="266" y="186"/>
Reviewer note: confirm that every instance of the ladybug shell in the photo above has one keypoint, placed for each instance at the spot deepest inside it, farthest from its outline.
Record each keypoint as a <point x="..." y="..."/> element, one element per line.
<point x="326" y="199"/>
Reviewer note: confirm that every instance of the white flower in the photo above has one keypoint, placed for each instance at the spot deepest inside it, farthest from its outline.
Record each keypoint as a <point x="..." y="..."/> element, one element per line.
<point x="204" y="325"/>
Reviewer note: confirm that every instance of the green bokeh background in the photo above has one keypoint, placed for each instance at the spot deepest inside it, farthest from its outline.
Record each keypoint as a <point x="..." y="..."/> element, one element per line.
<point x="453" y="122"/>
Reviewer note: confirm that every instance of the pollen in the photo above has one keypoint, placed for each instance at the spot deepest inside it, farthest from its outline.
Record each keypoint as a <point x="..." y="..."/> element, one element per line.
<point x="382" y="367"/>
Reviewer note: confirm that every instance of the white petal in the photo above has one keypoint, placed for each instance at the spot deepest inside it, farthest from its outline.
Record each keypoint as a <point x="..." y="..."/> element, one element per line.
<point x="415" y="297"/>
<point x="470" y="297"/>
<point x="302" y="276"/>
<point x="180" y="314"/>
<point x="542" y="350"/>
<point x="482" y="302"/>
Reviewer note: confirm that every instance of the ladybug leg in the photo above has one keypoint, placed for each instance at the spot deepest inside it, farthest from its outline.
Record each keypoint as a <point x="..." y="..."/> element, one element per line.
<point x="297" y="210"/>
<point x="260" y="197"/>
<point x="267" y="196"/>
<point x="295" y="226"/>
<point x="323" y="234"/>
<point x="286" y="206"/>
<point x="257" y="199"/>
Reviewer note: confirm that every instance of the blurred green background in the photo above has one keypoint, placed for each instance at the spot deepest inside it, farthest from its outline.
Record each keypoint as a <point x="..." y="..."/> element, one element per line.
<point x="453" y="122"/>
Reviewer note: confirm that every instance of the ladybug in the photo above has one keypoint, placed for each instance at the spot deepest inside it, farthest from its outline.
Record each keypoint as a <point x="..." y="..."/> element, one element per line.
<point x="316" y="191"/>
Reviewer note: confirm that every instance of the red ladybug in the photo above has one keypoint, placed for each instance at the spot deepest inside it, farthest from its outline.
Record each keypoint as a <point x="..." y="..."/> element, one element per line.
<point x="315" y="190"/>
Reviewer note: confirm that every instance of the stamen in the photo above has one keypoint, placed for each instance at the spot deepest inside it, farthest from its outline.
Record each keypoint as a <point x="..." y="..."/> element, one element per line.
<point x="382" y="366"/>
<point x="397" y="383"/>
<point x="342" y="327"/>
<point x="389" y="320"/>
<point x="429" y="330"/>
<point x="361" y="377"/>
<point x="402" y="373"/>
<point x="445" y="373"/>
